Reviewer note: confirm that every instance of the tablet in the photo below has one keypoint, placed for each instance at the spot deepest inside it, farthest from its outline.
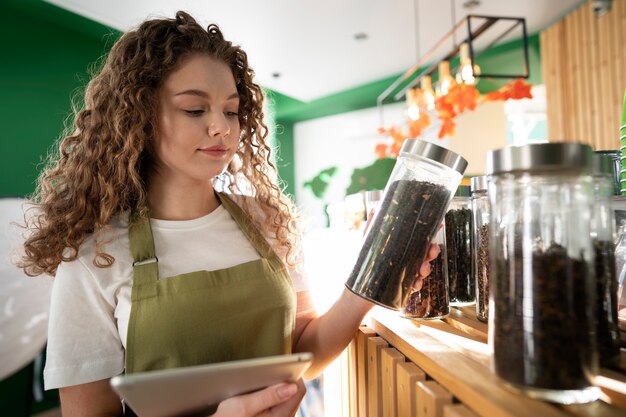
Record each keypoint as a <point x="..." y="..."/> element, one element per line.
<point x="193" y="389"/>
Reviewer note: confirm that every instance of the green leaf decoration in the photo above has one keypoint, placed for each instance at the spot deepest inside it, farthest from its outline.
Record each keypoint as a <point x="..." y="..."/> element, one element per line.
<point x="319" y="184"/>
<point x="372" y="177"/>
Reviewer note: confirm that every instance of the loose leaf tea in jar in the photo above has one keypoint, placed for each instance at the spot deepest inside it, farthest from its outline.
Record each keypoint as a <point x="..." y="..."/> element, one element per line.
<point x="459" y="242"/>
<point x="410" y="213"/>
<point x="480" y="252"/>
<point x="541" y="259"/>
<point x="602" y="233"/>
<point x="559" y="347"/>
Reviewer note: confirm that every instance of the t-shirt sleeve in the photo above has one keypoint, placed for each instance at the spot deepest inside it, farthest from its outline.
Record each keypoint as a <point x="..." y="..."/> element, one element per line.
<point x="83" y="340"/>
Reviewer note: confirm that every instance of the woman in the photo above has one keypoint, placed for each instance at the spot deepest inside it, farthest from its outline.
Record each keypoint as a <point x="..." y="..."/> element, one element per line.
<point x="159" y="260"/>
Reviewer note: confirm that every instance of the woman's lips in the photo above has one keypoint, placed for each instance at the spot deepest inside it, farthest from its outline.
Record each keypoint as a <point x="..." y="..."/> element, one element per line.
<point x="215" y="151"/>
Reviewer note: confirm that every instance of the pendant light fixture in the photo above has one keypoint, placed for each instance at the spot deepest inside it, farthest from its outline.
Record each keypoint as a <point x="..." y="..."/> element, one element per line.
<point x="478" y="34"/>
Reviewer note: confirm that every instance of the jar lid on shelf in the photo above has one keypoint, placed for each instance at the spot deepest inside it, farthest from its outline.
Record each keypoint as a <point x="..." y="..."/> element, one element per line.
<point x="479" y="183"/>
<point x="538" y="157"/>
<point x="435" y="153"/>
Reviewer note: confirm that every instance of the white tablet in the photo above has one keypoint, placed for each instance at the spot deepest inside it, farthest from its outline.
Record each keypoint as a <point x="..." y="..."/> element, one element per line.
<point x="194" y="389"/>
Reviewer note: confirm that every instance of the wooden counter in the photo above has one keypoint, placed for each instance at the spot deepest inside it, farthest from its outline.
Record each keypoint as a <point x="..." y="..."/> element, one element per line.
<point x="400" y="367"/>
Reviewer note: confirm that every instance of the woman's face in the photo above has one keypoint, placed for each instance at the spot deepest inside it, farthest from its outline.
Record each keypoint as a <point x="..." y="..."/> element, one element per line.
<point x="198" y="122"/>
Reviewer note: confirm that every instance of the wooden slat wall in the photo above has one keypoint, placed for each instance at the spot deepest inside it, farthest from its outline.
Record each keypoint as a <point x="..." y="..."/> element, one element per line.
<point x="584" y="70"/>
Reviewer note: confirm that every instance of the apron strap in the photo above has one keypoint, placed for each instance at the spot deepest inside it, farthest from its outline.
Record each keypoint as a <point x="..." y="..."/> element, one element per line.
<point x="145" y="262"/>
<point x="249" y="229"/>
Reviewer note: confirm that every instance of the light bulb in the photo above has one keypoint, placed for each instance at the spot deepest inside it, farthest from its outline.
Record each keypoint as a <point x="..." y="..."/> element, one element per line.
<point x="412" y="101"/>
<point x="413" y="112"/>
<point x="445" y="79"/>
<point x="428" y="93"/>
<point x="465" y="75"/>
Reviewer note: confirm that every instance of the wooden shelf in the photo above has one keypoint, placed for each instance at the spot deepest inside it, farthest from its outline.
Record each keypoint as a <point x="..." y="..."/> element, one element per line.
<point x="454" y="353"/>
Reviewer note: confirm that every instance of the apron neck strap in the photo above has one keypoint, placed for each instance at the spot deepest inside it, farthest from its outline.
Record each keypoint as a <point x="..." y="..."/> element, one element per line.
<point x="145" y="262"/>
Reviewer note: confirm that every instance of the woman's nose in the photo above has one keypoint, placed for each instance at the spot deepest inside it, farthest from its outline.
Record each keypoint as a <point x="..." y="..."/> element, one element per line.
<point x="218" y="125"/>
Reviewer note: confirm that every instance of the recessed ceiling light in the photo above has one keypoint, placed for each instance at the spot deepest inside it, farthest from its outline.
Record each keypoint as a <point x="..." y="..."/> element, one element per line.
<point x="361" y="36"/>
<point x="276" y="74"/>
<point x="471" y="4"/>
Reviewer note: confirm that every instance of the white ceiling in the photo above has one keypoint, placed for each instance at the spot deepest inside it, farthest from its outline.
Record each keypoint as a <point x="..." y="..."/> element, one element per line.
<point x="311" y="43"/>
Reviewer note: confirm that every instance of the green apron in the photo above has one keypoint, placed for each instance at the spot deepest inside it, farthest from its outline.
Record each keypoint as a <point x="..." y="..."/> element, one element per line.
<point x="202" y="317"/>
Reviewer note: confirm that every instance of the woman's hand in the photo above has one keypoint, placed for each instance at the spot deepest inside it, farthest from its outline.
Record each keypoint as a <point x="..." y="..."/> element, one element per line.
<point x="281" y="400"/>
<point x="425" y="269"/>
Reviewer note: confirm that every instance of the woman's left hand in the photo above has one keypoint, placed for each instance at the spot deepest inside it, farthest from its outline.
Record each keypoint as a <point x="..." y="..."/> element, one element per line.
<point x="425" y="268"/>
<point x="290" y="407"/>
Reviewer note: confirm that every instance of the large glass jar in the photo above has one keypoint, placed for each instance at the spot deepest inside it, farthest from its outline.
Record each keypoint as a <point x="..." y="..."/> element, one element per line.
<point x="541" y="258"/>
<point x="602" y="233"/>
<point x="430" y="297"/>
<point x="459" y="241"/>
<point x="480" y="252"/>
<point x="414" y="202"/>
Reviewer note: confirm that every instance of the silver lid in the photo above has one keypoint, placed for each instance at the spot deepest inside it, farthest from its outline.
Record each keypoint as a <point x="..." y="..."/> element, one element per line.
<point x="479" y="183"/>
<point x="435" y="153"/>
<point x="561" y="157"/>
<point x="374" y="195"/>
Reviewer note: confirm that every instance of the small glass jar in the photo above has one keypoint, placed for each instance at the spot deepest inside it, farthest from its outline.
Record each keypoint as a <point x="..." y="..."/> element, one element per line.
<point x="372" y="200"/>
<point x="409" y="215"/>
<point x="602" y="233"/>
<point x="541" y="258"/>
<point x="480" y="252"/>
<point x="430" y="297"/>
<point x="459" y="241"/>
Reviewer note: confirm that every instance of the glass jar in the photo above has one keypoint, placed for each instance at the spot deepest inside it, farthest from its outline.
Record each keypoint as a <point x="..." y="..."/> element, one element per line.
<point x="480" y="252"/>
<point x="459" y="241"/>
<point x="541" y="258"/>
<point x="372" y="200"/>
<point x="409" y="215"/>
<point x="430" y="297"/>
<point x="602" y="233"/>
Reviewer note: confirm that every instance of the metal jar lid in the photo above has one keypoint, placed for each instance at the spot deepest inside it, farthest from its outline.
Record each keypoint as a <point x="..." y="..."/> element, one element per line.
<point x="479" y="183"/>
<point x="435" y="153"/>
<point x="537" y="157"/>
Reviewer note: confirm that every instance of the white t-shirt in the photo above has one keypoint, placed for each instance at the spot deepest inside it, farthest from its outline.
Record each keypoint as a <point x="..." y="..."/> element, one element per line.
<point x="90" y="306"/>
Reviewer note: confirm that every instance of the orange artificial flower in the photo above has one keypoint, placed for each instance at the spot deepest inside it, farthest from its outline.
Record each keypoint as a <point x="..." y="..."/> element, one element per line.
<point x="381" y="150"/>
<point x="447" y="128"/>
<point x="520" y="89"/>
<point x="417" y="126"/>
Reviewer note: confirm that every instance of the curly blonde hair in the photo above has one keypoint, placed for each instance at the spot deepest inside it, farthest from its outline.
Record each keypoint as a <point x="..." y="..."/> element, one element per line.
<point x="101" y="168"/>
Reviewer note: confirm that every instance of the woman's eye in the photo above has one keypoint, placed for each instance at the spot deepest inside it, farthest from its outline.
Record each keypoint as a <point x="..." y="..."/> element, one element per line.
<point x="194" y="112"/>
<point x="232" y="114"/>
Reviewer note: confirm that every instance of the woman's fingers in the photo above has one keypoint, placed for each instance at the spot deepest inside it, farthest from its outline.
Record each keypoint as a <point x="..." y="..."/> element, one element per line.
<point x="425" y="269"/>
<point x="257" y="403"/>
<point x="289" y="407"/>
<point x="433" y="252"/>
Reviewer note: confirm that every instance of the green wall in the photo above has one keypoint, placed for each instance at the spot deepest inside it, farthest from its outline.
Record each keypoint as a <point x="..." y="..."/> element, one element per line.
<point x="45" y="54"/>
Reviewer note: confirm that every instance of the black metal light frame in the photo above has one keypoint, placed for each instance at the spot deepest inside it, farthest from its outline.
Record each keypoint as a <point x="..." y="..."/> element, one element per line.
<point x="472" y="34"/>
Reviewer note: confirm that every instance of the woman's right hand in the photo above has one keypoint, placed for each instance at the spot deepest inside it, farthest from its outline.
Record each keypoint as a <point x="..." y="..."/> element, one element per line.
<point x="281" y="400"/>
